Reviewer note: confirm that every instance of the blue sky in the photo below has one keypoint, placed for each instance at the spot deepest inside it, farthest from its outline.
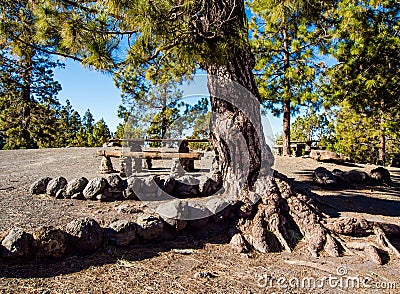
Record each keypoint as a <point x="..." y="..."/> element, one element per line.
<point x="89" y="89"/>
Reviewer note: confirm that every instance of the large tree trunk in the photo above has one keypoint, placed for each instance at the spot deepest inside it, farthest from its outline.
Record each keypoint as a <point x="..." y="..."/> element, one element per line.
<point x="246" y="160"/>
<point x="286" y="97"/>
<point x="164" y="124"/>
<point x="382" y="141"/>
<point x="26" y="65"/>
<point x="268" y="204"/>
<point x="270" y="211"/>
<point x="236" y="131"/>
<point x="286" y="127"/>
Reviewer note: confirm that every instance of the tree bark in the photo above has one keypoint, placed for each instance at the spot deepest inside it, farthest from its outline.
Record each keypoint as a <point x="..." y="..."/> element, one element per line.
<point x="382" y="141"/>
<point x="286" y="127"/>
<point x="163" y="114"/>
<point x="236" y="130"/>
<point x="286" y="97"/>
<point x="26" y="64"/>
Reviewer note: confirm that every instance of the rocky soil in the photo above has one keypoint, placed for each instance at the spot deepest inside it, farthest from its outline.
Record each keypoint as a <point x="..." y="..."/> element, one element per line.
<point x="200" y="264"/>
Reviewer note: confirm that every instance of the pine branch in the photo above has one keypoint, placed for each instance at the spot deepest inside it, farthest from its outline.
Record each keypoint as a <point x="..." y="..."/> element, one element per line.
<point x="41" y="49"/>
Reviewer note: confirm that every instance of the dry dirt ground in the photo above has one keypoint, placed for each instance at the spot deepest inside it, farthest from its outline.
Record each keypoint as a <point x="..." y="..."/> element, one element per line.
<point x="160" y="268"/>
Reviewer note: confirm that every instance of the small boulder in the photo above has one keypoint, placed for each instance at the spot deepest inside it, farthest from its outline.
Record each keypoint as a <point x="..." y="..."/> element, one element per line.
<point x="106" y="166"/>
<point x="199" y="215"/>
<point x="189" y="180"/>
<point x="173" y="213"/>
<point x="76" y="186"/>
<point x="151" y="227"/>
<point x="85" y="234"/>
<point x="115" y="182"/>
<point x="49" y="242"/>
<point x="238" y="244"/>
<point x="219" y="208"/>
<point x="177" y="169"/>
<point x="150" y="191"/>
<point x="356" y="177"/>
<point x="166" y="183"/>
<point x="178" y="213"/>
<point x="121" y="232"/>
<point x="381" y="175"/>
<point x="39" y="187"/>
<point x="208" y="186"/>
<point x="339" y="176"/>
<point x="16" y="244"/>
<point x="133" y="186"/>
<point x="183" y="210"/>
<point x="149" y="186"/>
<point x="324" y="177"/>
<point x="60" y="194"/>
<point x="102" y="198"/>
<point x="95" y="187"/>
<point x="115" y="187"/>
<point x="56" y="185"/>
<point x="187" y="187"/>
<point x="78" y="196"/>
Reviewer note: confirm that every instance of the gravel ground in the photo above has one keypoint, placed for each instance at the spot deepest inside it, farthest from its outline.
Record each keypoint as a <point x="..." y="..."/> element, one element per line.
<point x="157" y="269"/>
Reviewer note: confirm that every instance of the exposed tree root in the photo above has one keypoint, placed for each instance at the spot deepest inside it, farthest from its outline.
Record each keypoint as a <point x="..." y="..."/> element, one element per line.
<point x="282" y="215"/>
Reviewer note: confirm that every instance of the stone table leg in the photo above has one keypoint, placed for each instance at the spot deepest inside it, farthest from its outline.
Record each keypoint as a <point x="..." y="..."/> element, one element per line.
<point x="187" y="164"/>
<point x="136" y="162"/>
<point x="106" y="166"/>
<point x="125" y="166"/>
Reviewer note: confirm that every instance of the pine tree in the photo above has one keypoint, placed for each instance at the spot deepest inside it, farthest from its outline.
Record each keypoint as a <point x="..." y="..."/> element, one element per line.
<point x="63" y="124"/>
<point x="312" y="126"/>
<point x="28" y="100"/>
<point x="148" y="109"/>
<point x="75" y="124"/>
<point x="367" y="74"/>
<point x="286" y="40"/>
<point x="69" y="123"/>
<point x="357" y="135"/>
<point x="86" y="134"/>
<point x="101" y="133"/>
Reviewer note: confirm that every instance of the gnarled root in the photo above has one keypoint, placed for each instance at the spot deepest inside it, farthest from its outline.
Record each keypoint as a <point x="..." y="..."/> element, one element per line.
<point x="281" y="215"/>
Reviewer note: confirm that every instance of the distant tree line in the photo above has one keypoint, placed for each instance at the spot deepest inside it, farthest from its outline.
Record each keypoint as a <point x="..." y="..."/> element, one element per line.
<point x="50" y="126"/>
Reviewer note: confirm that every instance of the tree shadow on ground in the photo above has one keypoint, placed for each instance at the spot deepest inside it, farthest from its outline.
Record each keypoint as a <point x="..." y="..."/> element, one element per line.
<point x="349" y="202"/>
<point x="393" y="190"/>
<point x="111" y="255"/>
<point x="395" y="174"/>
<point x="360" y="198"/>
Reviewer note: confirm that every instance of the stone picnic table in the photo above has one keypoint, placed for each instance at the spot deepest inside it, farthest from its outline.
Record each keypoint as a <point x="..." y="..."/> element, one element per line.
<point x="133" y="151"/>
